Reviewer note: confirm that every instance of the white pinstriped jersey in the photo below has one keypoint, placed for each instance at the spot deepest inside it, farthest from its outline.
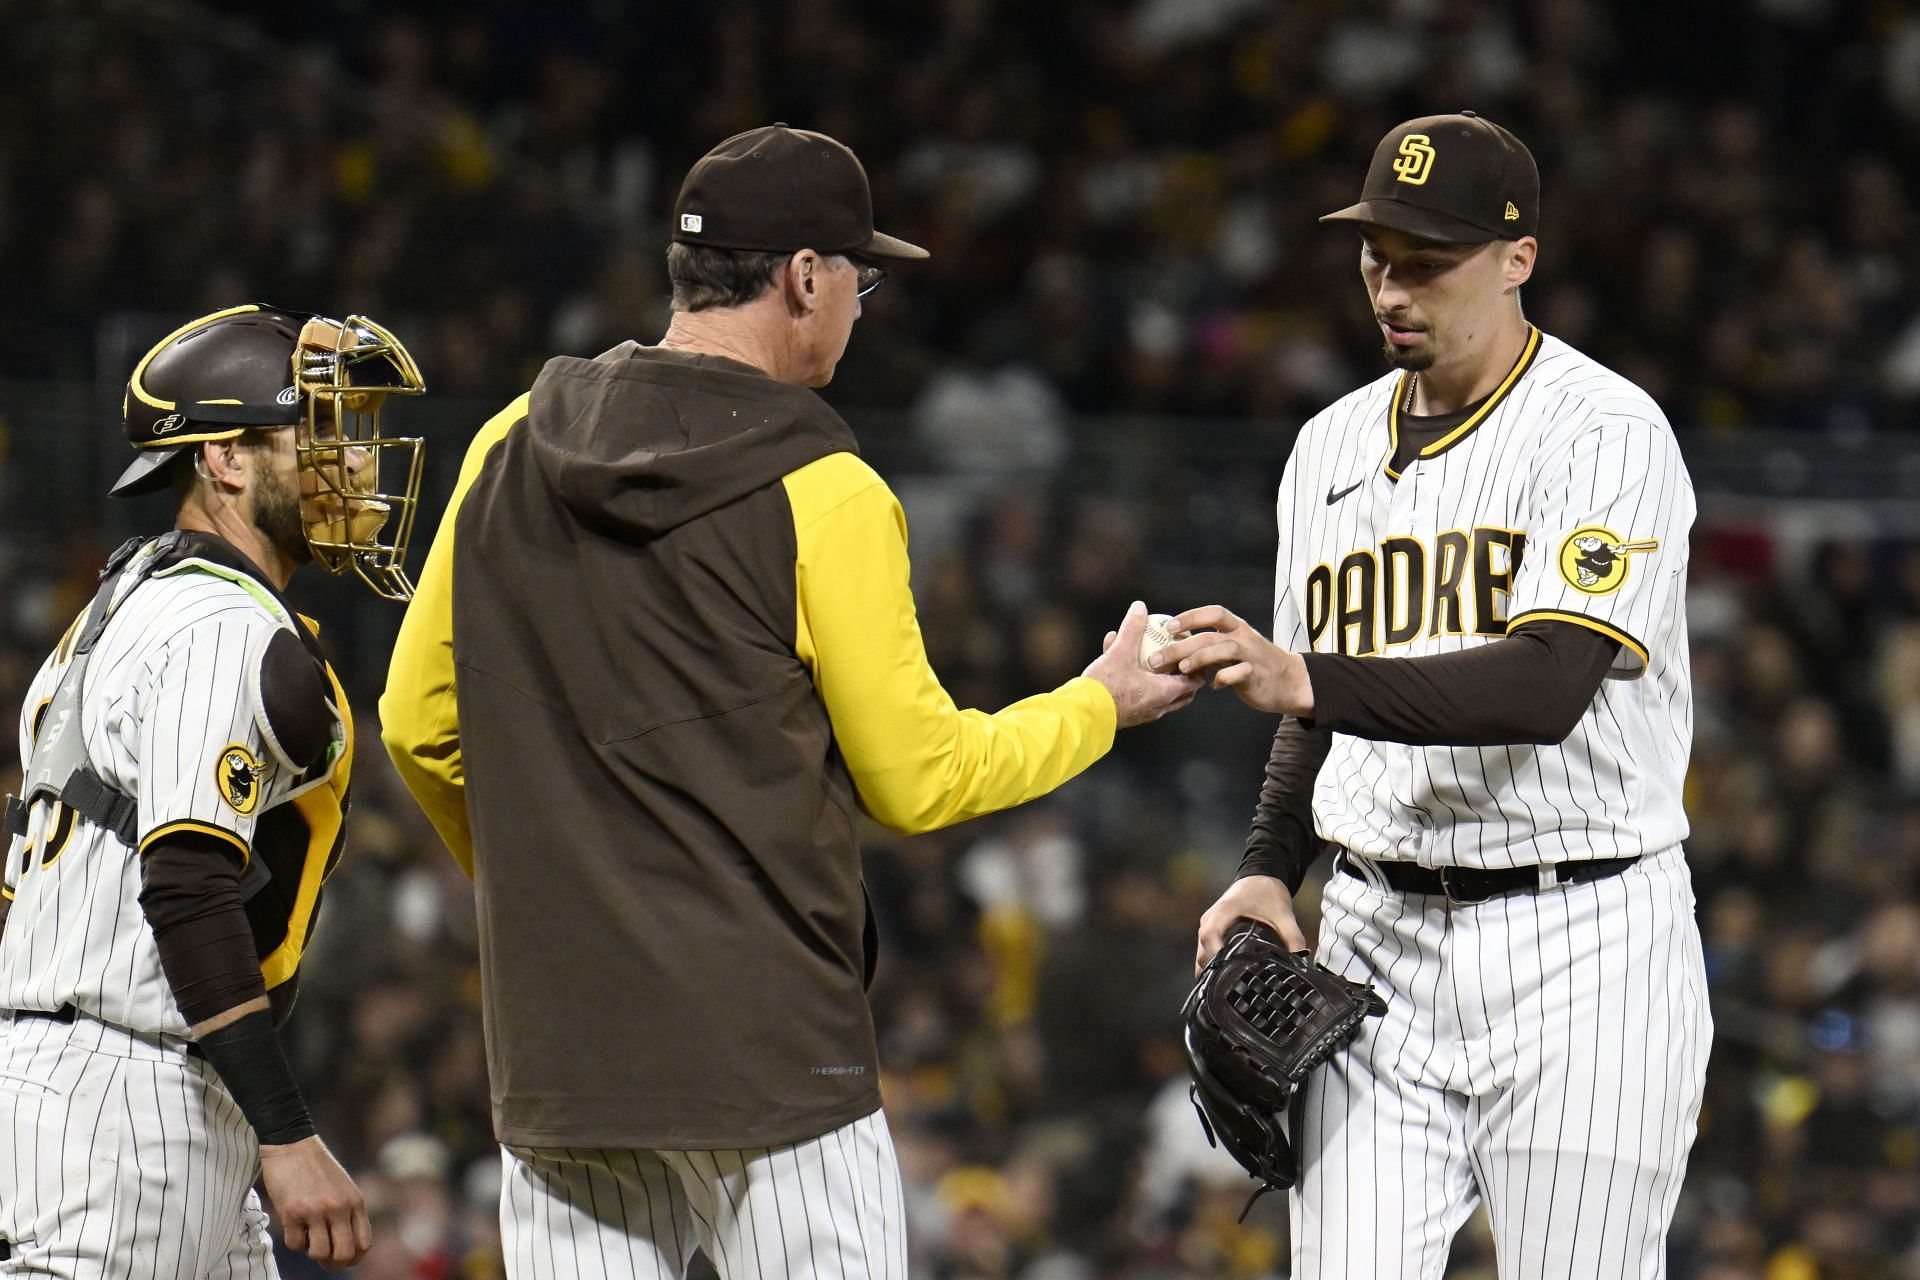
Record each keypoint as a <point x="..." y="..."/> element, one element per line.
<point x="1563" y="497"/>
<point x="170" y="716"/>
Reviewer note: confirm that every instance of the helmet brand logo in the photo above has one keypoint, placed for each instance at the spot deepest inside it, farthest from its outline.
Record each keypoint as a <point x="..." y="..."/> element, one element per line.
<point x="169" y="424"/>
<point x="288" y="395"/>
<point x="691" y="222"/>
<point x="1415" y="162"/>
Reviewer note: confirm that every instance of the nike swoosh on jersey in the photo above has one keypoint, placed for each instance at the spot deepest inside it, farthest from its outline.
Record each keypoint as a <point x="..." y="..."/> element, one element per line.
<point x="1333" y="497"/>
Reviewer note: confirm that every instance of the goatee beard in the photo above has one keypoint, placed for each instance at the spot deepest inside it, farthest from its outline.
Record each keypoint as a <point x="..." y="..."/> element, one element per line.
<point x="1410" y="361"/>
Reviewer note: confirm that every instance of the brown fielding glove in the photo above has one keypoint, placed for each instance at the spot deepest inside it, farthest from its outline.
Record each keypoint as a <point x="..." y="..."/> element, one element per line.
<point x="1258" y="1020"/>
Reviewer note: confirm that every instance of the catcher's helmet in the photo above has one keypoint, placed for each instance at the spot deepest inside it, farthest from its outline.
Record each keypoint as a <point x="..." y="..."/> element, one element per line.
<point x="210" y="379"/>
<point x="256" y="366"/>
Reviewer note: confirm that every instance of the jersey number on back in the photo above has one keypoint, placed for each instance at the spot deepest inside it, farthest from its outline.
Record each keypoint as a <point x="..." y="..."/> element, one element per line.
<point x="56" y="831"/>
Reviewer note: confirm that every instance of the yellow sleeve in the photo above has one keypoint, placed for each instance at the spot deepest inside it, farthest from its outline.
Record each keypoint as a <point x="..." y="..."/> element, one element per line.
<point x="918" y="762"/>
<point x="419" y="713"/>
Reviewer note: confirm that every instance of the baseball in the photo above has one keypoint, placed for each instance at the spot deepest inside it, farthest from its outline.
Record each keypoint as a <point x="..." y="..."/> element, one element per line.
<point x="1159" y="634"/>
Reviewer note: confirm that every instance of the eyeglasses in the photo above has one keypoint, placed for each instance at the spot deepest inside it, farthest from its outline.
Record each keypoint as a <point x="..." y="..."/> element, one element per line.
<point x="869" y="277"/>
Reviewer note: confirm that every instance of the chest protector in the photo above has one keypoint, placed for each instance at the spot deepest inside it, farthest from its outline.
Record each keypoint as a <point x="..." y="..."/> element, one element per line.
<point x="298" y="842"/>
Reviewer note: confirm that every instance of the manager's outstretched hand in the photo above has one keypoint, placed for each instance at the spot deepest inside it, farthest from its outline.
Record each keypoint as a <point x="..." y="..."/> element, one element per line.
<point x="1267" y="677"/>
<point x="1138" y="694"/>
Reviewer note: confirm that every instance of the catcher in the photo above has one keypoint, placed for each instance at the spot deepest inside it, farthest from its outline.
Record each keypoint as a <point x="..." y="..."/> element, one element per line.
<point x="186" y="750"/>
<point x="1258" y="1021"/>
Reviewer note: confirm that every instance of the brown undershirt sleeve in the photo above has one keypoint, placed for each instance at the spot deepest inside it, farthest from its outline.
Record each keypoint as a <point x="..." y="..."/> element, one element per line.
<point x="1532" y="686"/>
<point x="1282" y="843"/>
<point x="190" y="892"/>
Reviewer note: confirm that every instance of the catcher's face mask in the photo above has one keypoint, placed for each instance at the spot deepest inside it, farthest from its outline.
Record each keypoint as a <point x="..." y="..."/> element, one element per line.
<point x="345" y="371"/>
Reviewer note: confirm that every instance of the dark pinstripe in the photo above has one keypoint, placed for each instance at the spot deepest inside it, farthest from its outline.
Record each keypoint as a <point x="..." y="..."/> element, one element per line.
<point x="652" y="1230"/>
<point x="1572" y="438"/>
<point x="159" y="1183"/>
<point x="807" y="1213"/>
<point x="144" y="1196"/>
<point x="832" y="1206"/>
<point x="849" y="1166"/>
<point x="165" y="690"/>
<point x="1579" y="1165"/>
<point x="722" y="1260"/>
<point x="780" y="1217"/>
<point x="1511" y="1061"/>
<point x="727" y="1218"/>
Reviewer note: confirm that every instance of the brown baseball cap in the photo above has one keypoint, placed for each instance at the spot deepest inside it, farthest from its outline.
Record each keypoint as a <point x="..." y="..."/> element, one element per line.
<point x="1459" y="179"/>
<point x="775" y="189"/>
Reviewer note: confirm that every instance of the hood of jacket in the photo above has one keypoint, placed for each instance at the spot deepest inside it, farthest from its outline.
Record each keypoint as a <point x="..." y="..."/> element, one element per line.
<point x="641" y="440"/>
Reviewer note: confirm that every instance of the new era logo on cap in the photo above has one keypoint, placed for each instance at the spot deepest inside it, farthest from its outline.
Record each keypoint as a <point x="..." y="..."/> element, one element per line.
<point x="691" y="222"/>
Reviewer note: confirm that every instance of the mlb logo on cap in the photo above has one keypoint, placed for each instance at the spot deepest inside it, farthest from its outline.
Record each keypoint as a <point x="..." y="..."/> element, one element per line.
<point x="780" y="190"/>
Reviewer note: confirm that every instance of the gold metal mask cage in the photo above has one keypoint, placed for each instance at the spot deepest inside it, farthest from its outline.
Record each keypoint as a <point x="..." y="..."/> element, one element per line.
<point x="347" y="370"/>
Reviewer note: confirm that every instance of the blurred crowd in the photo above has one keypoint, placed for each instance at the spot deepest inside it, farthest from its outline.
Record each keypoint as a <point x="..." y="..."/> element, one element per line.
<point x="1032" y="962"/>
<point x="1119" y="194"/>
<point x="1120" y="200"/>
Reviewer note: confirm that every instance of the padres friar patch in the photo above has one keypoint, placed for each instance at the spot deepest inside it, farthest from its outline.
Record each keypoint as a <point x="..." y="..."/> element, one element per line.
<point x="1594" y="559"/>
<point x="237" y="777"/>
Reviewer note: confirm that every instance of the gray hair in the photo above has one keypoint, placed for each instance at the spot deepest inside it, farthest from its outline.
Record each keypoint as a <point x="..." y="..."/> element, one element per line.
<point x="707" y="277"/>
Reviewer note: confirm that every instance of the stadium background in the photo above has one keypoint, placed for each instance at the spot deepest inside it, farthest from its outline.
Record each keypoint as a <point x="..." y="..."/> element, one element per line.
<point x="1085" y="396"/>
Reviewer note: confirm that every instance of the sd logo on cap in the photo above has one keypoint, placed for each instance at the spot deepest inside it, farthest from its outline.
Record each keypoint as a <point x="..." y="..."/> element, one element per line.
<point x="1457" y="179"/>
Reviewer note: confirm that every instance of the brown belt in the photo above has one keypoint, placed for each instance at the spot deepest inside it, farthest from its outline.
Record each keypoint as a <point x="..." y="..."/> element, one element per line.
<point x="1467" y="885"/>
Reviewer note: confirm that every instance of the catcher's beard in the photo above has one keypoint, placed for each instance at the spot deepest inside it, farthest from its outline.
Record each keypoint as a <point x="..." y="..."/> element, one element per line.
<point x="276" y="514"/>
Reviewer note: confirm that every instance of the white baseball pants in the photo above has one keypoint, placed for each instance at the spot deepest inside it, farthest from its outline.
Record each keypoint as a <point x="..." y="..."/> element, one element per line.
<point x="1544" y="1053"/>
<point x="829" y="1207"/>
<point x="121" y="1156"/>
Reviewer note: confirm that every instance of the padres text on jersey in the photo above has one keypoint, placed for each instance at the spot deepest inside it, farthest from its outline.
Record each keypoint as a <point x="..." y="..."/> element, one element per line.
<point x="1562" y="497"/>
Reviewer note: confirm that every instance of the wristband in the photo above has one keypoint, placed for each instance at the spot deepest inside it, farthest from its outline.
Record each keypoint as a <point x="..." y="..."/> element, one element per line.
<point x="253" y="1066"/>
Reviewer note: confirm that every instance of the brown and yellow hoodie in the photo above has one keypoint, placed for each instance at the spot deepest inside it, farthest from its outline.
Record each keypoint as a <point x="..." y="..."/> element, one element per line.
<point x="662" y="650"/>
